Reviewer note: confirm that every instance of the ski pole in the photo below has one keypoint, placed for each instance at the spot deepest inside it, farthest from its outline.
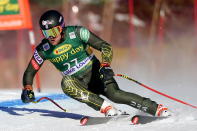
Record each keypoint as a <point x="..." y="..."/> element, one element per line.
<point x="160" y="93"/>
<point x="46" y="98"/>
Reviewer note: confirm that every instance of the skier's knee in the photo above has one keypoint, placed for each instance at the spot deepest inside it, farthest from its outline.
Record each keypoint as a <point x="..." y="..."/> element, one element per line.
<point x="64" y="82"/>
<point x="114" y="96"/>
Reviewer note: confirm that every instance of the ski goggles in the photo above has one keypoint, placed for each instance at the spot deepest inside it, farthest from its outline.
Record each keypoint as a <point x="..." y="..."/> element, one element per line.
<point x="53" y="32"/>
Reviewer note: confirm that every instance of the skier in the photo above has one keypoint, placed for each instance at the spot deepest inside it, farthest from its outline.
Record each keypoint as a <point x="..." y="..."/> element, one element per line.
<point x="84" y="76"/>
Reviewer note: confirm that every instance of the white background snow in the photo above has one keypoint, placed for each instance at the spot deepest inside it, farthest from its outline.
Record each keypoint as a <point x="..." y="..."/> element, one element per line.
<point x="45" y="116"/>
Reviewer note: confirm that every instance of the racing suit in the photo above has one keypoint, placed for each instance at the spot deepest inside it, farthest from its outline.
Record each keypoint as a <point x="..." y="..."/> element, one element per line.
<point x="79" y="67"/>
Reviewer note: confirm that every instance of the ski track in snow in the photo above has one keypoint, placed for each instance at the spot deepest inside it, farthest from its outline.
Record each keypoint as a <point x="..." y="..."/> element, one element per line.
<point x="45" y="116"/>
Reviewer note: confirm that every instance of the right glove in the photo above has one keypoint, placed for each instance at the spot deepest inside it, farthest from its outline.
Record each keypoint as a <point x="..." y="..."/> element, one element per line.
<point x="106" y="72"/>
<point x="27" y="94"/>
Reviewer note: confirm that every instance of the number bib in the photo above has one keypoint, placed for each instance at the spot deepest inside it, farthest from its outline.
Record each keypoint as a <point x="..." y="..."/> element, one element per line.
<point x="78" y="66"/>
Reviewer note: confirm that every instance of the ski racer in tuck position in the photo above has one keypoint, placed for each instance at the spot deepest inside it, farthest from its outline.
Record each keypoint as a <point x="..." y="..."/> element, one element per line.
<point x="84" y="76"/>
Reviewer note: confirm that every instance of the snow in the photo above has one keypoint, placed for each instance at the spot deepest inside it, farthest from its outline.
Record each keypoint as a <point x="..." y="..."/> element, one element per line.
<point x="45" y="116"/>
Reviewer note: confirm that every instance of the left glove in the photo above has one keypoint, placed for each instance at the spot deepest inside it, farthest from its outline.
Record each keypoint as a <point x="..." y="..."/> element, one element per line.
<point x="27" y="94"/>
<point x="106" y="72"/>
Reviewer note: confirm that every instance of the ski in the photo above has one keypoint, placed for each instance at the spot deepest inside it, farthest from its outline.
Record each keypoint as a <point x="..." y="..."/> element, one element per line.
<point x="87" y="120"/>
<point x="136" y="119"/>
<point x="142" y="119"/>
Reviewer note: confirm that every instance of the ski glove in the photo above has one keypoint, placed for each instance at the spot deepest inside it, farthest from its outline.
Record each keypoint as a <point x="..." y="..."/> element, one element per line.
<point x="27" y="94"/>
<point x="106" y="72"/>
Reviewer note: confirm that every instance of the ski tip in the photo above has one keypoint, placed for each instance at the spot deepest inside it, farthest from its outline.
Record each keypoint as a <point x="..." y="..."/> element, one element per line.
<point x="135" y="120"/>
<point x="84" y="121"/>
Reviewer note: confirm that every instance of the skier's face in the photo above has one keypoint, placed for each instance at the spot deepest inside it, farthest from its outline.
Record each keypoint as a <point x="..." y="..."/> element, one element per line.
<point x="54" y="40"/>
<point x="53" y="34"/>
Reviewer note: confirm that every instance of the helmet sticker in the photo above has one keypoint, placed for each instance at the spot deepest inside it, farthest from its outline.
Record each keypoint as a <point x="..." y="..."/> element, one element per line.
<point x="60" y="19"/>
<point x="47" y="23"/>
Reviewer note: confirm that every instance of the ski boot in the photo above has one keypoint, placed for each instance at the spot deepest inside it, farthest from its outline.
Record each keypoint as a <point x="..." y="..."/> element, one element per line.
<point x="109" y="110"/>
<point x="162" y="111"/>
